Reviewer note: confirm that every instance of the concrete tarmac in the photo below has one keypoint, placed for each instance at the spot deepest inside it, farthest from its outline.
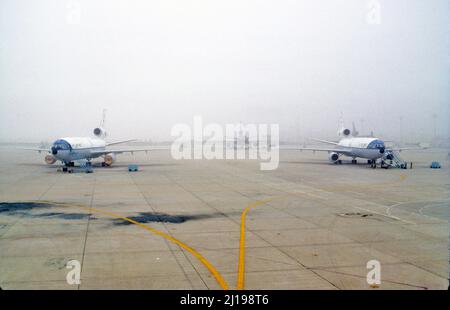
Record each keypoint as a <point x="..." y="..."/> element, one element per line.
<point x="224" y="223"/>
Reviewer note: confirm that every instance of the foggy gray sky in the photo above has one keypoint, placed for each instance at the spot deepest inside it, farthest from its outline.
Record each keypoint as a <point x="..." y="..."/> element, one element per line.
<point x="152" y="64"/>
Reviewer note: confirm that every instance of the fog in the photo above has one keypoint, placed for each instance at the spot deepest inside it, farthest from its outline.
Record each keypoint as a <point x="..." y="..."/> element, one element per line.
<point x="153" y="64"/>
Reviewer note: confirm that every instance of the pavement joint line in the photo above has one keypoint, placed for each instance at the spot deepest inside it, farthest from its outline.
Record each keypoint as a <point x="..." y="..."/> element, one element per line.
<point x="169" y="233"/>
<point x="402" y="178"/>
<point x="223" y="284"/>
<point x="87" y="228"/>
<point x="363" y="277"/>
<point x="281" y="249"/>
<point x="382" y="214"/>
<point x="169" y="230"/>
<point x="432" y="204"/>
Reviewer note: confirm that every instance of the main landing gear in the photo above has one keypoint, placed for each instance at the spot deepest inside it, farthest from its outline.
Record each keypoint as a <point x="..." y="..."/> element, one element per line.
<point x="373" y="164"/>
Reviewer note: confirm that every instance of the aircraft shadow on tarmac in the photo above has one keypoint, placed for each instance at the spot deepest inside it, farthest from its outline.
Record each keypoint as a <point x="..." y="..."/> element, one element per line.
<point x="323" y="163"/>
<point x="97" y="165"/>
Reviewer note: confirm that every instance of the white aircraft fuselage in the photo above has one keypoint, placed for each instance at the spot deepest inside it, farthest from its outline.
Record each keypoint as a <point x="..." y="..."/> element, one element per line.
<point x="70" y="149"/>
<point x="369" y="148"/>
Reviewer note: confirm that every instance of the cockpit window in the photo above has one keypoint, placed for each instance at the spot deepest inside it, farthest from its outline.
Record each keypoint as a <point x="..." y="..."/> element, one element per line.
<point x="61" y="145"/>
<point x="376" y="144"/>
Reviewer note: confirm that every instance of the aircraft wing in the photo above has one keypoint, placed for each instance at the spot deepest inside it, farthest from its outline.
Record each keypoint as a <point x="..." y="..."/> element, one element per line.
<point x="336" y="150"/>
<point x="399" y="149"/>
<point x="128" y="150"/>
<point x="119" y="142"/>
<point x="325" y="141"/>
<point x="37" y="149"/>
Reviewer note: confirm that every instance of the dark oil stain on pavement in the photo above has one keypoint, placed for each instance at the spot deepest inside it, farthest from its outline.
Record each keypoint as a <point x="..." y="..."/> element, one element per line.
<point x="65" y="216"/>
<point x="41" y="210"/>
<point x="13" y="208"/>
<point x="24" y="209"/>
<point x="148" y="217"/>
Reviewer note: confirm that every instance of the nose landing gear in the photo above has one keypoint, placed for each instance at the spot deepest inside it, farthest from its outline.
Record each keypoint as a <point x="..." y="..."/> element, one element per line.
<point x="85" y="166"/>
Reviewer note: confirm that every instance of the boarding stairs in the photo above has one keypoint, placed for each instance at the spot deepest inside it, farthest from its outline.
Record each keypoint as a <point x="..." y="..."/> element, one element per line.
<point x="392" y="159"/>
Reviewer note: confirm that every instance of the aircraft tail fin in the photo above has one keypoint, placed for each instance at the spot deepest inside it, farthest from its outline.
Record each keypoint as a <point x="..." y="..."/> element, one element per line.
<point x="102" y="124"/>
<point x="100" y="131"/>
<point x="354" y="131"/>
<point x="342" y="130"/>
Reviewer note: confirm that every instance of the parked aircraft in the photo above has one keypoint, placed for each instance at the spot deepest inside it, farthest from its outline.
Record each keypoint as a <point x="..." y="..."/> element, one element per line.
<point x="370" y="148"/>
<point x="71" y="149"/>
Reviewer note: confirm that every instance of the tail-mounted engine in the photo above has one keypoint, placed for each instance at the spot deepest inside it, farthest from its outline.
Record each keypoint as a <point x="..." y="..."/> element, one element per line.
<point x="99" y="132"/>
<point x="345" y="132"/>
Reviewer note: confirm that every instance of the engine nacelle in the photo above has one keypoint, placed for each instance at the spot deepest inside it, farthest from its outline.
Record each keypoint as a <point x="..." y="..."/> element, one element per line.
<point x="345" y="132"/>
<point x="333" y="157"/>
<point x="100" y="132"/>
<point x="109" y="159"/>
<point x="49" y="159"/>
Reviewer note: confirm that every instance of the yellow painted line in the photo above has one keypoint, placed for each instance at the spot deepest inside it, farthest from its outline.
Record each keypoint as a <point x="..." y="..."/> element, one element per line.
<point x="241" y="264"/>
<point x="223" y="284"/>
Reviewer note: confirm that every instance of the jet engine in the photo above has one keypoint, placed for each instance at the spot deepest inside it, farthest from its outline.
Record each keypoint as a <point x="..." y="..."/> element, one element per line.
<point x="345" y="132"/>
<point x="49" y="159"/>
<point x="333" y="157"/>
<point x="109" y="159"/>
<point x="100" y="132"/>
